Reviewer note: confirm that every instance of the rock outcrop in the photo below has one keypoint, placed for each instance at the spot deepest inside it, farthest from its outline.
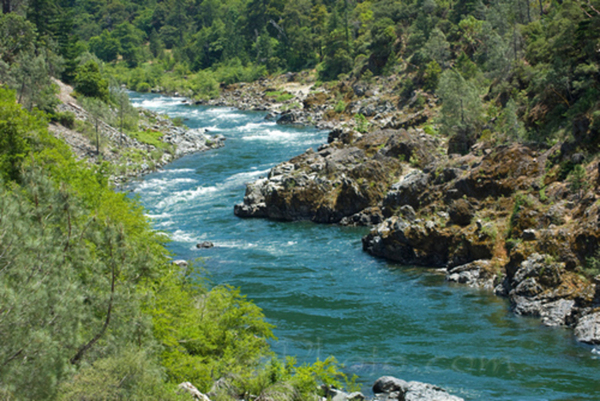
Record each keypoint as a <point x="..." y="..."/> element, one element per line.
<point x="499" y="217"/>
<point x="344" y="180"/>
<point x="495" y="214"/>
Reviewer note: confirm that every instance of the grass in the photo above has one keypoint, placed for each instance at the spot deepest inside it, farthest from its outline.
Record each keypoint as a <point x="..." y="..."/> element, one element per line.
<point x="150" y="137"/>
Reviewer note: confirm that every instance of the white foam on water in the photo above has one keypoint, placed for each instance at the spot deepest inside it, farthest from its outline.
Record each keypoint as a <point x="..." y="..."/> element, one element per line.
<point x="155" y="185"/>
<point x="256" y="126"/>
<point x="246" y="176"/>
<point x="219" y="110"/>
<point x="159" y="102"/>
<point x="236" y="244"/>
<point x="178" y="171"/>
<point x="274" y="135"/>
<point x="158" y="216"/>
<point x="185" y="196"/>
<point x="182" y="236"/>
<point x="165" y="224"/>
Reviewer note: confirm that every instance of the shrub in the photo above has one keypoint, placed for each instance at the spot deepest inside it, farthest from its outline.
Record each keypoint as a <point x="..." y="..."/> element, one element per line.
<point x="66" y="119"/>
<point x="340" y="107"/>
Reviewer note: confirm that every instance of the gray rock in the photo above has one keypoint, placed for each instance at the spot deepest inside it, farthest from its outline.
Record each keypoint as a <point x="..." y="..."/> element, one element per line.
<point x="526" y="306"/>
<point x="577" y="158"/>
<point x="407" y="191"/>
<point x="180" y="263"/>
<point x="288" y="118"/>
<point x="588" y="329"/>
<point x="205" y="245"/>
<point x="355" y="396"/>
<point x="465" y="274"/>
<point x="528" y="288"/>
<point x="411" y="391"/>
<point x="529" y="235"/>
<point x="472" y="274"/>
<point x="556" y="313"/>
<point x="461" y="212"/>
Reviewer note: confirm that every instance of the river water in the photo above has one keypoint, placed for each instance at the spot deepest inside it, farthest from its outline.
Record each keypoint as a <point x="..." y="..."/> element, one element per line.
<point x="327" y="297"/>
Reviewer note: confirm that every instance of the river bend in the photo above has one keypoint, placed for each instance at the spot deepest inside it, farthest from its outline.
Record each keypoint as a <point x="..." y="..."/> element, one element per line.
<point x="327" y="297"/>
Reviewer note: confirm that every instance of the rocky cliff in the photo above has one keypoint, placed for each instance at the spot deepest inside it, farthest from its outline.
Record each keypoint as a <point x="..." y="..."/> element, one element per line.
<point x="522" y="220"/>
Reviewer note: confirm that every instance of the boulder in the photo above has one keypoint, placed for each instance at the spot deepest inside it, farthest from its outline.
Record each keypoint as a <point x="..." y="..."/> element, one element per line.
<point x="407" y="191"/>
<point x="205" y="245"/>
<point x="587" y="329"/>
<point x="474" y="274"/>
<point x="556" y="313"/>
<point x="193" y="391"/>
<point x="461" y="212"/>
<point x="397" y="389"/>
<point x="288" y="118"/>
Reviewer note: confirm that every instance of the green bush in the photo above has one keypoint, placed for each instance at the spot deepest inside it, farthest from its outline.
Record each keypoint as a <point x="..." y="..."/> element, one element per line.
<point x="89" y="81"/>
<point x="66" y="119"/>
<point x="143" y="87"/>
<point x="340" y="107"/>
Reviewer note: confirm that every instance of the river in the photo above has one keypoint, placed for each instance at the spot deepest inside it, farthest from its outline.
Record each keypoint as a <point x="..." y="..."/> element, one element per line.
<point x="327" y="297"/>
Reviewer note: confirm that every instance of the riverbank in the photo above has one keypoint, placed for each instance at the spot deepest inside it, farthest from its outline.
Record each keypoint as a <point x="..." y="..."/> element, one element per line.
<point x="157" y="140"/>
<point x="516" y="219"/>
<point x="328" y="297"/>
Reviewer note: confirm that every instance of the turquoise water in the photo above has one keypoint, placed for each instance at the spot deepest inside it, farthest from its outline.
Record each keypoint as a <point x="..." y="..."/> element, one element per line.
<point x="327" y="297"/>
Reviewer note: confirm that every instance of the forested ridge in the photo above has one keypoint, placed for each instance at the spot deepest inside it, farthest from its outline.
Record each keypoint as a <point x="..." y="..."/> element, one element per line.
<point x="537" y="61"/>
<point x="91" y="306"/>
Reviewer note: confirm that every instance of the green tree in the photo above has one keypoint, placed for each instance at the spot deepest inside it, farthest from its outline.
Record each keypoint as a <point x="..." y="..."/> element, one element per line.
<point x="105" y="46"/>
<point x="97" y="111"/>
<point x="89" y="81"/>
<point x="15" y="125"/>
<point x="461" y="110"/>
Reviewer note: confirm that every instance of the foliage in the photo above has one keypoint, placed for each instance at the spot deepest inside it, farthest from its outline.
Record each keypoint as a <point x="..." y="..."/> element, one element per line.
<point x="461" y="105"/>
<point x="340" y="107"/>
<point x="15" y="141"/>
<point x="578" y="179"/>
<point x="132" y="375"/>
<point x="149" y="137"/>
<point x="592" y="265"/>
<point x="362" y="124"/>
<point x="66" y="119"/>
<point x="89" y="82"/>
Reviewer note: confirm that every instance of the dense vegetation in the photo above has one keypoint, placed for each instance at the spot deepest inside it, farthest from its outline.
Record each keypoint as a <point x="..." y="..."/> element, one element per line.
<point x="530" y="68"/>
<point x="90" y="305"/>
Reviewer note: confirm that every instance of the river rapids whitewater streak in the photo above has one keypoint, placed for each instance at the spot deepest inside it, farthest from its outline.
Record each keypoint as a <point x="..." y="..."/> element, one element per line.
<point x="327" y="297"/>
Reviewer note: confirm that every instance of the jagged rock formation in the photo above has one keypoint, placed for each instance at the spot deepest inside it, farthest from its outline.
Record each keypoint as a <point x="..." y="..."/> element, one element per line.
<point x="499" y="218"/>
<point x="348" y="176"/>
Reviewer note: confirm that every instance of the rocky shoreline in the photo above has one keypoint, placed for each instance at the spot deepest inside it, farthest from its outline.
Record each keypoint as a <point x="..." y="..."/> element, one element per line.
<point x="130" y="157"/>
<point x="500" y="217"/>
<point x="386" y="388"/>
